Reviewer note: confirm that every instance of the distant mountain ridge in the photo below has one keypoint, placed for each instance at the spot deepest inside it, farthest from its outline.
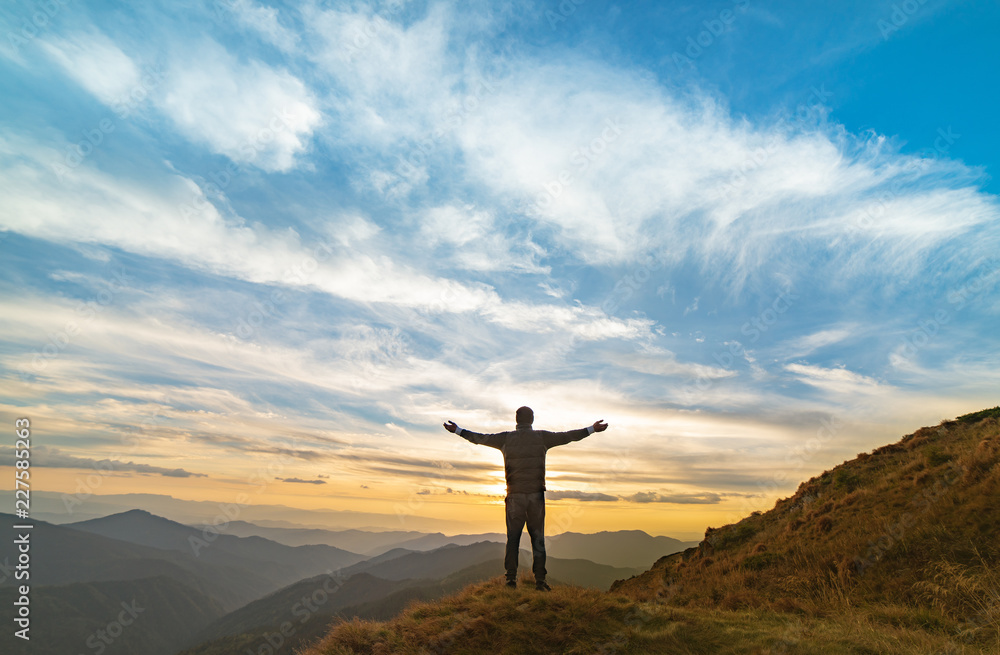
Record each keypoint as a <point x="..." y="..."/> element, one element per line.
<point x="355" y="541"/>
<point x="622" y="548"/>
<point x="73" y="556"/>
<point x="429" y="565"/>
<point x="276" y="562"/>
<point x="53" y="508"/>
<point x="437" y="540"/>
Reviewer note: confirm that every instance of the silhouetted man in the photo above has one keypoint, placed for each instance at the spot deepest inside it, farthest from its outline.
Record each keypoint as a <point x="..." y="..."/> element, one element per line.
<point x="524" y="467"/>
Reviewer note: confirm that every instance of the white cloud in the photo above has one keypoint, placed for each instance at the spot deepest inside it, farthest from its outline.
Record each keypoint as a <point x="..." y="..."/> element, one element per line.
<point x="352" y="230"/>
<point x="657" y="361"/>
<point x="472" y="239"/>
<point x="587" y="323"/>
<point x="393" y="81"/>
<point x="159" y="219"/>
<point x="616" y="166"/>
<point x="95" y="62"/>
<point x="400" y="92"/>
<point x="806" y="344"/>
<point x="836" y="380"/>
<point x="684" y="177"/>
<point x="250" y="112"/>
<point x="456" y="226"/>
<point x="264" y="21"/>
<point x="682" y="498"/>
<point x="55" y="458"/>
<point x="587" y="496"/>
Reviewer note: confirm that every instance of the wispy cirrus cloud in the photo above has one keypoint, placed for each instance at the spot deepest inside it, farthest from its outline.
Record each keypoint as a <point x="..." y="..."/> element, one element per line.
<point x="265" y="21"/>
<point x="806" y="344"/>
<point x="51" y="457"/>
<point x="95" y="62"/>
<point x="837" y="380"/>
<point x="586" y="496"/>
<point x="684" y="498"/>
<point x="250" y="112"/>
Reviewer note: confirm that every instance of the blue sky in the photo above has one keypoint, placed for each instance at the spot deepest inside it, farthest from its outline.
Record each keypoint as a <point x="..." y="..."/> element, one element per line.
<point x="757" y="239"/>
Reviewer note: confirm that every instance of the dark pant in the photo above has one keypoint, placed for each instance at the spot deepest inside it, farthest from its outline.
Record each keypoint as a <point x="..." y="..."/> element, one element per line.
<point x="523" y="508"/>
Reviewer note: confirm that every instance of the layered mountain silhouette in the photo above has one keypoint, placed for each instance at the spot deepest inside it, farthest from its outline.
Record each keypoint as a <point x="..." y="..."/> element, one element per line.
<point x="277" y="563"/>
<point x="623" y="548"/>
<point x="62" y="556"/>
<point x="355" y="541"/>
<point x="215" y="589"/>
<point x="162" y="614"/>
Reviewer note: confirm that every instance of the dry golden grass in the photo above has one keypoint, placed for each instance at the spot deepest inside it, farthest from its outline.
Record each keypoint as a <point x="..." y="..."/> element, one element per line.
<point x="490" y="618"/>
<point x="866" y="532"/>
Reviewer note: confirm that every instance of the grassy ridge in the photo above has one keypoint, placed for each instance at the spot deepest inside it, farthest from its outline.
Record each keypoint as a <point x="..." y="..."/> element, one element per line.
<point x="915" y="523"/>
<point x="490" y="618"/>
<point x="895" y="551"/>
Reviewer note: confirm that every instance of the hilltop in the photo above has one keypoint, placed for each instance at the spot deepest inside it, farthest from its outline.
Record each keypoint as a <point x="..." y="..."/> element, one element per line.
<point x="894" y="551"/>
<point x="490" y="618"/>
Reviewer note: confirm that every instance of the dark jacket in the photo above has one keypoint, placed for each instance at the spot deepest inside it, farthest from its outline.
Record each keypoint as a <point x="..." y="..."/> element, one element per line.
<point x="524" y="453"/>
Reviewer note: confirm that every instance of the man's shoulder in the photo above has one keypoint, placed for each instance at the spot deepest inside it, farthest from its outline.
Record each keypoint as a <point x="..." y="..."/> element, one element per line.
<point x="557" y="432"/>
<point x="489" y="434"/>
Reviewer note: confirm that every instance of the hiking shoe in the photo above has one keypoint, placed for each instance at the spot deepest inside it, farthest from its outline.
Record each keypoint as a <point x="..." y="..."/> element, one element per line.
<point x="512" y="584"/>
<point x="542" y="586"/>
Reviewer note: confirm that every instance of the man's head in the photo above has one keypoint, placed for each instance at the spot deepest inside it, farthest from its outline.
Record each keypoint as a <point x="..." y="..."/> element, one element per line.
<point x="525" y="416"/>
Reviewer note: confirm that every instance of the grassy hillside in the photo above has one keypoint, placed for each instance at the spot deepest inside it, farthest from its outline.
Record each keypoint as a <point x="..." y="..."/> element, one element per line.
<point x="915" y="523"/>
<point x="490" y="618"/>
<point x="895" y="551"/>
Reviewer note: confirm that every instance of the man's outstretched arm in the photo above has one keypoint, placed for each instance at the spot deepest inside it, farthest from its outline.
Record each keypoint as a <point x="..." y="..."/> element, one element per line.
<point x="491" y="440"/>
<point x="553" y="439"/>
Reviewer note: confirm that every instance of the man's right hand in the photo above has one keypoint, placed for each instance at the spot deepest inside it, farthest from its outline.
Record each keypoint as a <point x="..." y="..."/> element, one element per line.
<point x="450" y="426"/>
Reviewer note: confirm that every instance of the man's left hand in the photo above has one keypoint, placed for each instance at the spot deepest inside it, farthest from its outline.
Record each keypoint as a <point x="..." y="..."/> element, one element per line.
<point x="600" y="426"/>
